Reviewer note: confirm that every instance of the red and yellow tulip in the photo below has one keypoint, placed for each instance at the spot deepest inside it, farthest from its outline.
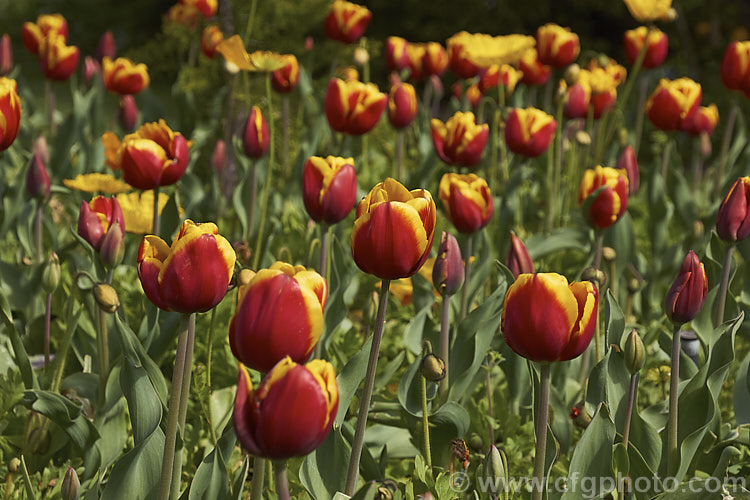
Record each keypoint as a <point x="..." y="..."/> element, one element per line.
<point x="647" y="11"/>
<point x="673" y="103"/>
<point x="435" y="60"/>
<point x="329" y="188"/>
<point x="97" y="217"/>
<point x="106" y="46"/>
<point x="735" y="67"/>
<point x="402" y="105"/>
<point x="415" y="53"/>
<point x="656" y="50"/>
<point x="210" y="39"/>
<point x="256" y="138"/>
<point x="556" y="46"/>
<point x="346" y="22"/>
<point x="529" y="131"/>
<point x="396" y="58"/>
<point x="285" y="80"/>
<point x="733" y="219"/>
<point x="518" y="259"/>
<point x="492" y="76"/>
<point x="56" y="59"/>
<point x="467" y="201"/>
<point x="448" y="270"/>
<point x="123" y="76"/>
<point x="46" y="25"/>
<point x="604" y="195"/>
<point x="459" y="141"/>
<point x="206" y="7"/>
<point x="10" y="112"/>
<point x="687" y="294"/>
<point x="38" y="183"/>
<point x="353" y="107"/>
<point x="534" y="72"/>
<point x="703" y="121"/>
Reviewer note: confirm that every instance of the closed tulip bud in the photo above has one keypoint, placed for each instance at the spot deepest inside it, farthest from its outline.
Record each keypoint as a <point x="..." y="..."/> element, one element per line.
<point x="474" y="95"/>
<point x="309" y="43"/>
<point x="629" y="163"/>
<point x="210" y="39"/>
<point x="346" y="22"/>
<point x="6" y="55"/>
<point x="14" y="465"/>
<point x="534" y="72"/>
<point x="596" y="276"/>
<point x="71" y="486"/>
<point x="492" y="467"/>
<point x="571" y="74"/>
<point x="218" y="157"/>
<point x="735" y="67"/>
<point x="91" y="67"/>
<point x="395" y="53"/>
<point x="433" y="368"/>
<point x="128" y="113"/>
<point x="113" y="246"/>
<point x="46" y="25"/>
<point x="557" y="46"/>
<point x="207" y="8"/>
<point x="10" y="112"/>
<point x="123" y="76"/>
<point x="402" y="105"/>
<point x="604" y="195"/>
<point x="448" y="270"/>
<point x="51" y="273"/>
<point x="393" y="232"/>
<point x="459" y="141"/>
<point x="197" y="247"/>
<point x="546" y="319"/>
<point x="37" y="180"/>
<point x="361" y="56"/>
<point x="577" y="100"/>
<point x="467" y="201"/>
<point x="475" y="442"/>
<point x="285" y="80"/>
<point x="96" y="217"/>
<point x="56" y="59"/>
<point x="634" y="353"/>
<point x="733" y="218"/>
<point x="329" y="188"/>
<point x="529" y="131"/>
<point x="106" y="297"/>
<point x="656" y="50"/>
<point x="703" y="121"/>
<point x="609" y="254"/>
<point x="688" y="292"/>
<point x="673" y="103"/>
<point x="349" y="73"/>
<point x="518" y="259"/>
<point x="255" y="136"/>
<point x="39" y="148"/>
<point x="353" y="107"/>
<point x="580" y="416"/>
<point x="435" y="59"/>
<point x="106" y="46"/>
<point x="290" y="413"/>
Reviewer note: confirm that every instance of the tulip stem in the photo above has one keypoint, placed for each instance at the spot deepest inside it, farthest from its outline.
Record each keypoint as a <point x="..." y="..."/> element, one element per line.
<point x="250" y="21"/>
<point x="38" y="232"/>
<point x="490" y="413"/>
<point x="324" y="249"/>
<point x="725" y="143"/>
<point x="467" y="268"/>
<point x="47" y="324"/>
<point x="665" y="159"/>
<point x="426" y="421"/>
<point x="269" y="174"/>
<point x="629" y="412"/>
<point x="724" y="284"/>
<point x="641" y="113"/>
<point x="282" y="485"/>
<point x="364" y="402"/>
<point x="62" y="351"/>
<point x="103" y="352"/>
<point x="637" y="65"/>
<point x="674" y="381"/>
<point x="155" y="223"/>
<point x="252" y="170"/>
<point x="541" y="433"/>
<point x="285" y="134"/>
<point x="558" y="153"/>
<point x="49" y="94"/>
<point x="445" y="341"/>
<point x="259" y="472"/>
<point x="399" y="155"/>
<point x="598" y="248"/>
<point x="184" y="397"/>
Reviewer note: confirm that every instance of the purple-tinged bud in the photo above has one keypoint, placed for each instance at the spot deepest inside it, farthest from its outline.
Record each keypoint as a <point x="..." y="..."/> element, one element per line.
<point x="218" y="157"/>
<point x="91" y="67"/>
<point x="688" y="292"/>
<point x="128" y="114"/>
<point x="39" y="148"/>
<point x="518" y="259"/>
<point x="71" y="486"/>
<point x="448" y="272"/>
<point x="6" y="55"/>
<point x="733" y="219"/>
<point x="113" y="246"/>
<point x="37" y="180"/>
<point x="107" y="46"/>
<point x="629" y="163"/>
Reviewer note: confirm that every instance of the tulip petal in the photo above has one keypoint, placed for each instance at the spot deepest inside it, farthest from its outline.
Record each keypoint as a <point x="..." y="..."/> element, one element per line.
<point x="587" y="296"/>
<point x="151" y="255"/>
<point x="241" y="417"/>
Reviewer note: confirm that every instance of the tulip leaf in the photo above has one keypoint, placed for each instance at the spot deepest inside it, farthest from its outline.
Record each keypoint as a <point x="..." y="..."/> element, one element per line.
<point x="66" y="414"/>
<point x="144" y="406"/>
<point x="211" y="479"/>
<point x="614" y="319"/>
<point x="566" y="238"/>
<point x="19" y="351"/>
<point x="137" y="356"/>
<point x="454" y="415"/>
<point x="349" y="379"/>
<point x="320" y="472"/>
<point x="239" y="479"/>
<point x="135" y="476"/>
<point x="410" y="389"/>
<point x="741" y="395"/>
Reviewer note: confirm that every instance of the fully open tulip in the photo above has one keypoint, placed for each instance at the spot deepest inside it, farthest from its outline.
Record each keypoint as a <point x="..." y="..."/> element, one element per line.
<point x="435" y="60"/>
<point x="97" y="217"/>
<point x="448" y="270"/>
<point x="106" y="46"/>
<point x="210" y="39"/>
<point x="46" y="25"/>
<point x="629" y="163"/>
<point x="604" y="195"/>
<point x="518" y="259"/>
<point x="207" y="8"/>
<point x="285" y="80"/>
<point x="10" y="112"/>
<point x="546" y="319"/>
<point x="402" y="105"/>
<point x="688" y="292"/>
<point x="123" y="76"/>
<point x="534" y="72"/>
<point x="280" y="314"/>
<point x="37" y="180"/>
<point x="346" y="22"/>
<point x="395" y="53"/>
<point x="703" y="121"/>
<point x="353" y="107"/>
<point x="190" y="276"/>
<point x="673" y="103"/>
<point x="656" y="51"/>
<point x="329" y="188"/>
<point x="292" y="411"/>
<point x="56" y="59"/>
<point x="6" y="55"/>
<point x="393" y="231"/>
<point x="152" y="156"/>
<point x="647" y="11"/>
<point x="735" y="67"/>
<point x="529" y="131"/>
<point x="255" y="136"/>
<point x="733" y="219"/>
<point x="556" y="46"/>
<point x="467" y="201"/>
<point x="459" y="141"/>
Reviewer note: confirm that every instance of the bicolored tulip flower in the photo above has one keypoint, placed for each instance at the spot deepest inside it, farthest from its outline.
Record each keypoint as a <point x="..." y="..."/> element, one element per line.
<point x="545" y="319"/>
<point x="458" y="61"/>
<point x="577" y="100"/>
<point x="448" y="270"/>
<point x="10" y="112"/>
<point x="415" y="53"/>
<point x="128" y="113"/>
<point x="673" y="103"/>
<point x="6" y="55"/>
<point x="604" y="195"/>
<point x="152" y="156"/>
<point x="656" y="50"/>
<point x="184" y="15"/>
<point x="473" y="94"/>
<point x="347" y="22"/>
<point x="210" y="39"/>
<point x="467" y="201"/>
<point x="329" y="188"/>
<point x="518" y="259"/>
<point x="402" y="105"/>
<point x="393" y="231"/>
<point x="46" y="25"/>
<point x="56" y="59"/>
<point x="285" y="80"/>
<point x="396" y="58"/>
<point x="37" y="180"/>
<point x="190" y="276"/>
<point x="529" y="131"/>
<point x="733" y="219"/>
<point x="291" y="412"/>
<point x="123" y="76"/>
<point x="647" y="11"/>
<point x="703" y="121"/>
<point x="106" y="46"/>
<point x="207" y="8"/>
<point x="459" y="141"/>
<point x="687" y="294"/>
<point x="492" y="76"/>
<point x="435" y="60"/>
<point x="735" y="67"/>
<point x="280" y="315"/>
<point x="256" y="138"/>
<point x="534" y="72"/>
<point x="629" y="163"/>
<point x="556" y="46"/>
<point x="353" y="107"/>
<point x="97" y="217"/>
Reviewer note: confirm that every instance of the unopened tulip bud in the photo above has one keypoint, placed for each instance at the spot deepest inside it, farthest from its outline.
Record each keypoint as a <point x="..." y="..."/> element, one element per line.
<point x="634" y="285"/>
<point x="688" y="292"/>
<point x="493" y="468"/>
<point x="629" y="163"/>
<point x="571" y="74"/>
<point x="518" y="259"/>
<point x="698" y="229"/>
<point x="361" y="56"/>
<point x="107" y="46"/>
<point x="218" y="157"/>
<point x="113" y="246"/>
<point x="91" y="67"/>
<point x="128" y="114"/>
<point x="433" y="368"/>
<point x="106" y="297"/>
<point x="583" y="138"/>
<point x="448" y="271"/>
<point x="6" y="55"/>
<point x="595" y="275"/>
<point x="37" y="180"/>
<point x="231" y="68"/>
<point x="634" y="353"/>
<point x="14" y="465"/>
<point x="733" y="219"/>
<point x="71" y="486"/>
<point x="609" y="254"/>
<point x="309" y="43"/>
<point x="672" y="14"/>
<point x="40" y="149"/>
<point x="579" y="415"/>
<point x="476" y="442"/>
<point x="51" y="273"/>
<point x="705" y="139"/>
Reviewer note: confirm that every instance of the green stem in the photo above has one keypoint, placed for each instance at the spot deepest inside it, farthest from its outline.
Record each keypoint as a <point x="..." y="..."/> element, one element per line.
<point x="697" y="165"/>
<point x="613" y="277"/>
<point x="49" y="94"/>
<point x="558" y="153"/>
<point x="285" y="134"/>
<point x="399" y="155"/>
<point x="467" y="269"/>
<point x="250" y="21"/>
<point x="364" y="402"/>
<point x="184" y="397"/>
<point x="724" y="284"/>
<point x="598" y="247"/>
<point x="27" y="480"/>
<point x="641" y="113"/>
<point x="47" y="324"/>
<point x="325" y="243"/>
<point x="725" y="143"/>
<point x="445" y="340"/>
<point x="629" y="412"/>
<point x="155" y="223"/>
<point x="209" y="359"/>
<point x="665" y="160"/>
<point x="541" y="433"/>
<point x="259" y="472"/>
<point x="38" y="232"/>
<point x="282" y="485"/>
<point x="637" y="65"/>
<point x="269" y="176"/>
<point x="490" y="413"/>
<point x="426" y="424"/>
<point x="62" y="351"/>
<point x="674" y="381"/>
<point x="103" y="353"/>
<point x="253" y="172"/>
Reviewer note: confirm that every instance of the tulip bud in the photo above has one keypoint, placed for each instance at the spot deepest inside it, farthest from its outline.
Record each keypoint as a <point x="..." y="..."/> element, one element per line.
<point x="37" y="180"/>
<point x="255" y="137"/>
<point x="106" y="46"/>
<point x="609" y="254"/>
<point x="733" y="219"/>
<point x="629" y="163"/>
<point x="634" y="285"/>
<point x="51" y="273"/>
<point x="113" y="246"/>
<point x="433" y="368"/>
<point x="14" y="465"/>
<point x="571" y="74"/>
<point x="91" y="67"/>
<point x="493" y="468"/>
<point x="40" y="149"/>
<point x="218" y="157"/>
<point x="71" y="486"/>
<point x="6" y="55"/>
<point x="128" y="114"/>
<point x="448" y="271"/>
<point x="361" y="56"/>
<point x="688" y="292"/>
<point x="579" y="415"/>
<point x="518" y="259"/>
<point x="106" y="297"/>
<point x="705" y="139"/>
<point x="623" y="136"/>
<point x="583" y="138"/>
<point x="309" y="43"/>
<point x="476" y="442"/>
<point x="634" y="353"/>
<point x="595" y="275"/>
